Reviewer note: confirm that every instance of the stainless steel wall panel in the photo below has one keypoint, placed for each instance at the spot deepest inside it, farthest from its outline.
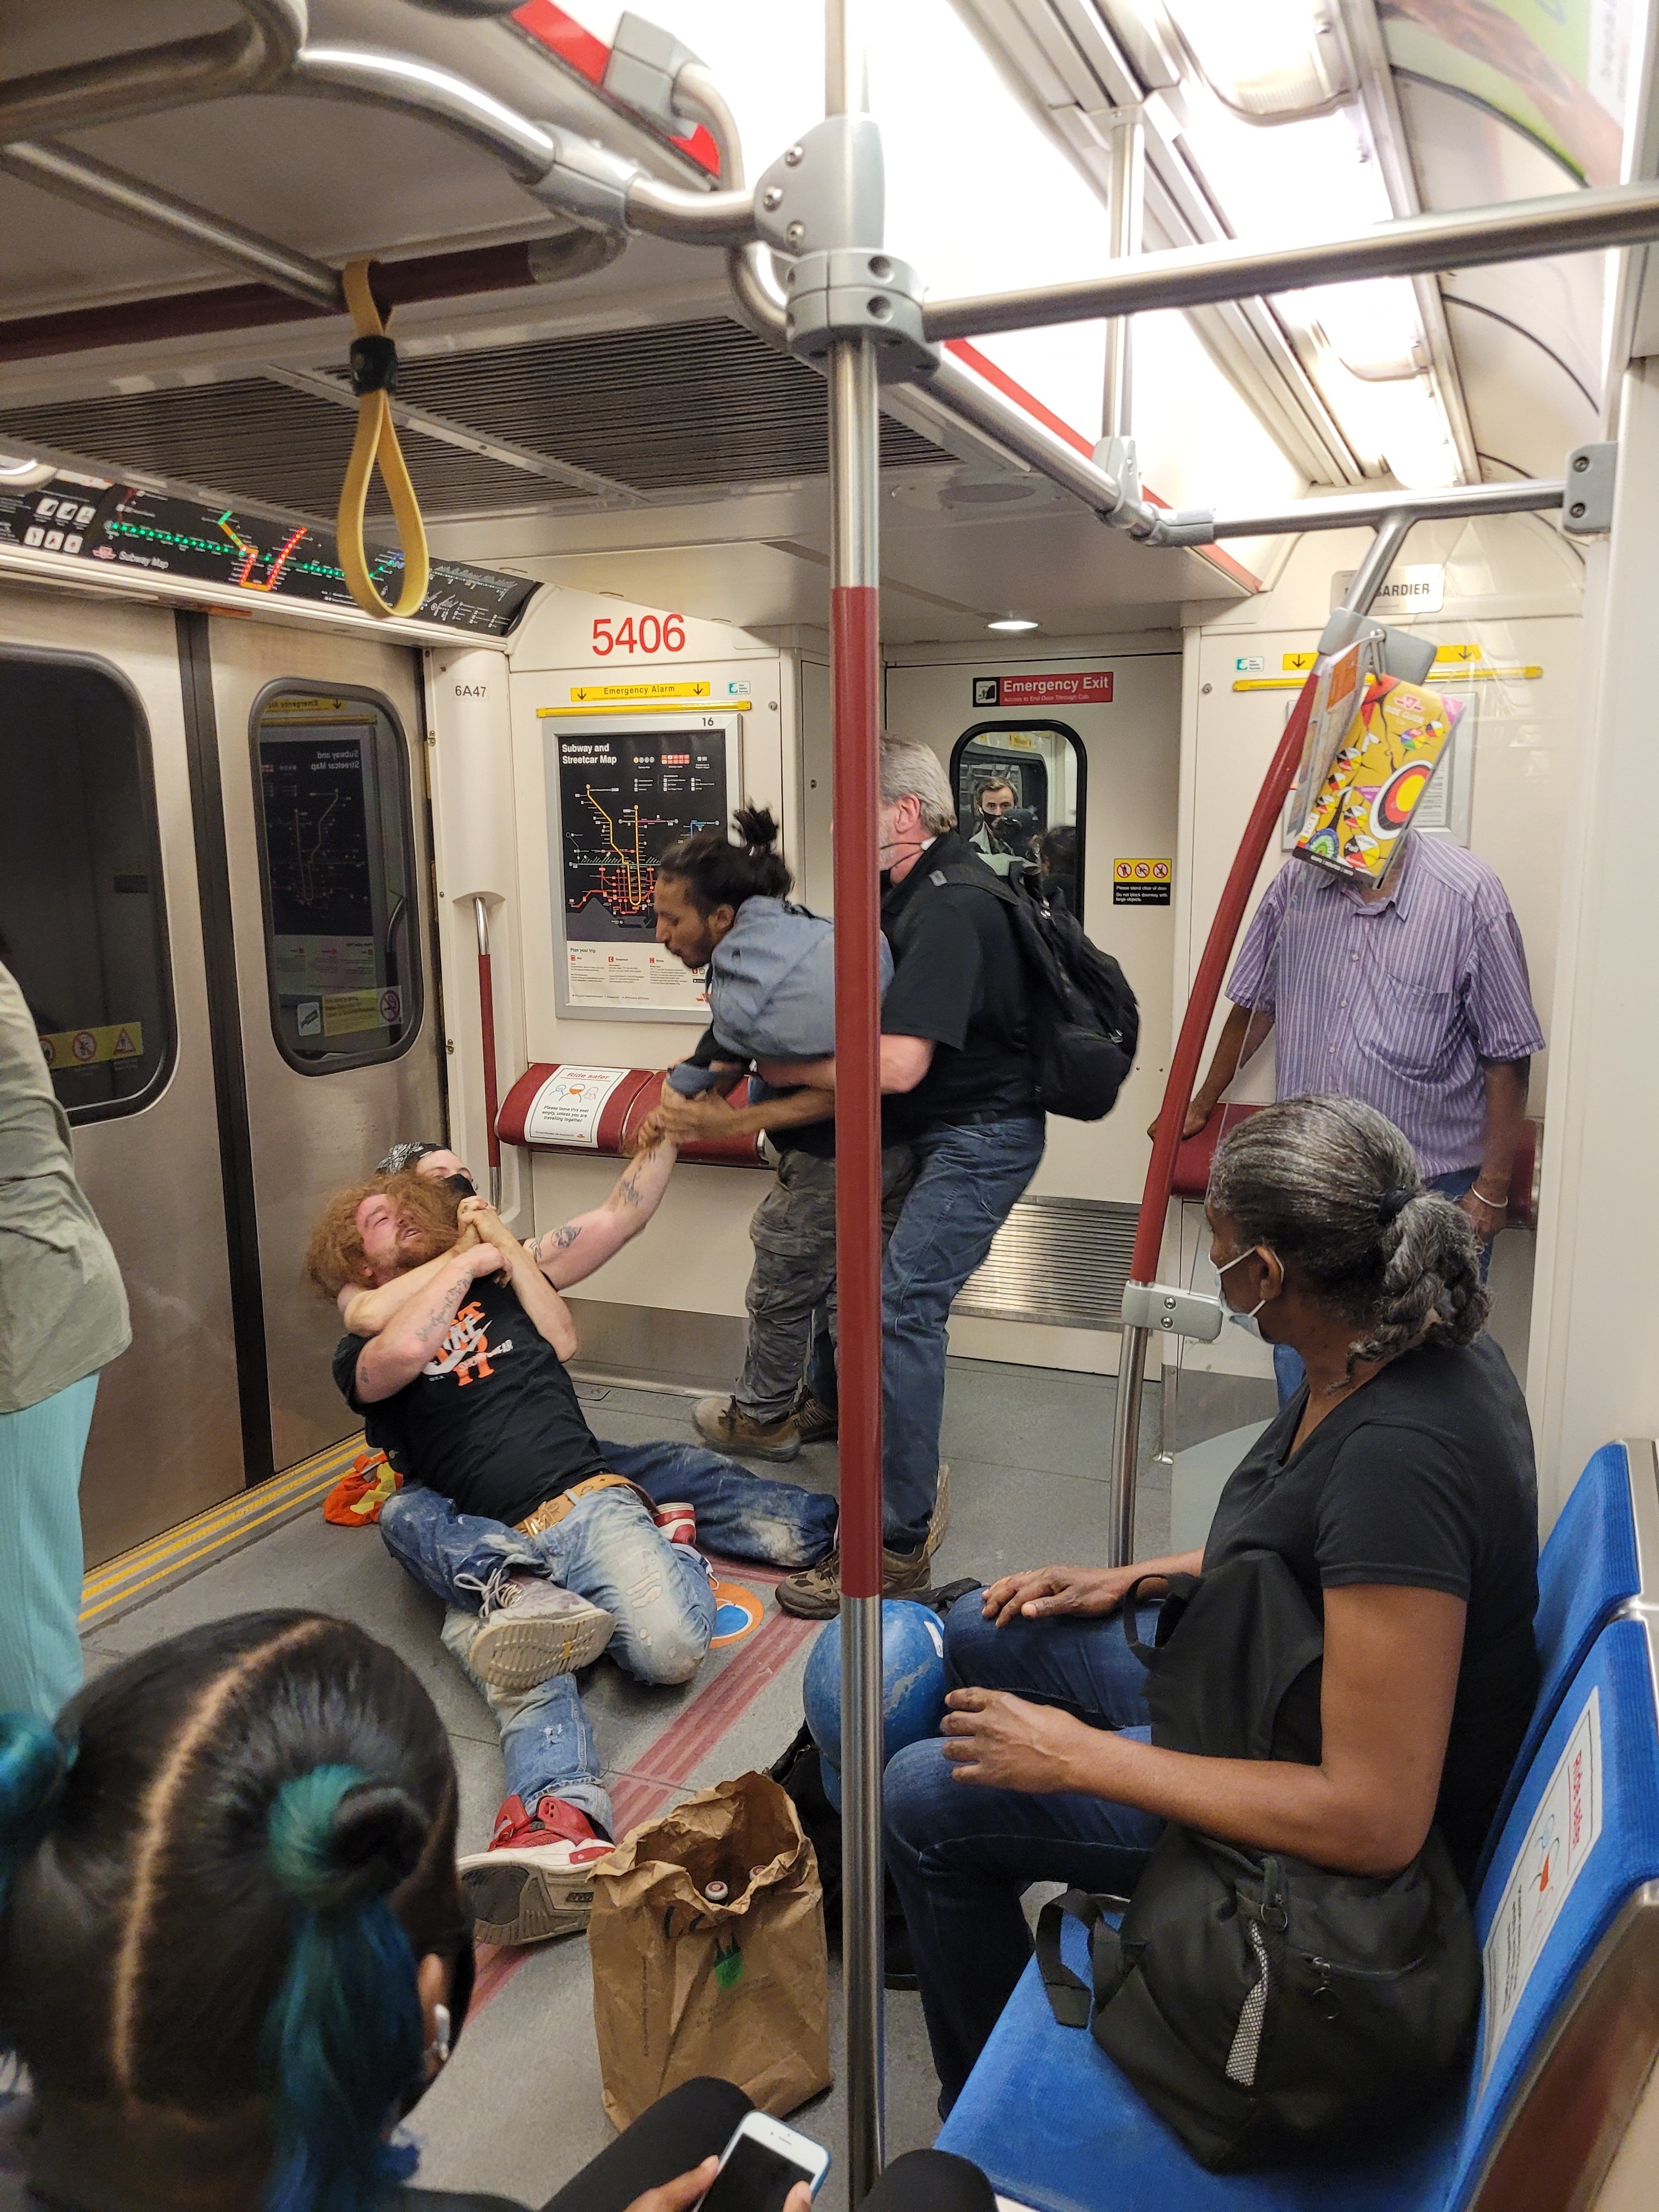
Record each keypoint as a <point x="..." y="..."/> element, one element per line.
<point x="312" y="1134"/>
<point x="166" y="1438"/>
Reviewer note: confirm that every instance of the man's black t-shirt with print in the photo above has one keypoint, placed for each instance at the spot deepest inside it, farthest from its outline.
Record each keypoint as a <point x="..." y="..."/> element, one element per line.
<point x="1424" y="1478"/>
<point x="491" y="1421"/>
<point x="957" y="981"/>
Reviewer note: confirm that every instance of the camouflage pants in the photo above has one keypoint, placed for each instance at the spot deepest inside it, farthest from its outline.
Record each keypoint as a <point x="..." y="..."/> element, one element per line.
<point x="794" y="1234"/>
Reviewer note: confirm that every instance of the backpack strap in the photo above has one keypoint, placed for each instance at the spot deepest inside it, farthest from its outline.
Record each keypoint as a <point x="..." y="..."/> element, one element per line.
<point x="1176" y="1586"/>
<point x="1070" y="1998"/>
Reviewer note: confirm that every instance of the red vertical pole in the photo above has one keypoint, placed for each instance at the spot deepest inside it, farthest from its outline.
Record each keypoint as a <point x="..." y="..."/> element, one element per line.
<point x="854" y="423"/>
<point x="487" y="1025"/>
<point x="856" y="681"/>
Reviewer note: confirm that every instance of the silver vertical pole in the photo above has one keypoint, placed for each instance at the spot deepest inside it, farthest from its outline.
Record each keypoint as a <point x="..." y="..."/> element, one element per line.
<point x="1125" y="209"/>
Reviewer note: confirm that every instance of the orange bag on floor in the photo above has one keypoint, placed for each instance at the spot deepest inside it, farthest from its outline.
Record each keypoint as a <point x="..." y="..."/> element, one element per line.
<point x="737" y="1985"/>
<point x="356" y="1499"/>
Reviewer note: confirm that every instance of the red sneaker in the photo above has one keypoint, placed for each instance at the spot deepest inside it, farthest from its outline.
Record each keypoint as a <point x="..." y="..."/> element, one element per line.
<point x="678" y="1523"/>
<point x="535" y="1878"/>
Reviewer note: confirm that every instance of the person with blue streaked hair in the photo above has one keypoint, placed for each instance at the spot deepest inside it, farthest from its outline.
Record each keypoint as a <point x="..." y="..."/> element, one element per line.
<point x="233" y="1954"/>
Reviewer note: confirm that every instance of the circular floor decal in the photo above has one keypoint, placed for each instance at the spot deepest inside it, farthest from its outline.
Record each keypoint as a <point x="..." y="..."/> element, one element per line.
<point x="738" y="1613"/>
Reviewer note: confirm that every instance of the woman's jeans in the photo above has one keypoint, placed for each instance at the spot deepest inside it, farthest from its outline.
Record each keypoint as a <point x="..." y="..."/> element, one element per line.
<point x="608" y="1550"/>
<point x="961" y="1855"/>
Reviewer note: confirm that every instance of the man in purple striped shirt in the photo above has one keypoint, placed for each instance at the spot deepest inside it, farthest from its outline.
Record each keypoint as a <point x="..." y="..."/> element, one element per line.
<point x="1411" y="995"/>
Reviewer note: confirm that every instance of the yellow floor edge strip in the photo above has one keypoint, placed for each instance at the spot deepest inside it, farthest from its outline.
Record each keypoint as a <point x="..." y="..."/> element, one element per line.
<point x="228" y="1512"/>
<point x="195" y="1541"/>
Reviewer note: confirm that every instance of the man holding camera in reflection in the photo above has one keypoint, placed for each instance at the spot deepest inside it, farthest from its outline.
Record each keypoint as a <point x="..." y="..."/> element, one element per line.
<point x="1002" y="827"/>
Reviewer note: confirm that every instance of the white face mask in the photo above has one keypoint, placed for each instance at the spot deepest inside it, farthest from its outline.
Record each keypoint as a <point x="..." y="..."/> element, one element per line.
<point x="1247" y="1321"/>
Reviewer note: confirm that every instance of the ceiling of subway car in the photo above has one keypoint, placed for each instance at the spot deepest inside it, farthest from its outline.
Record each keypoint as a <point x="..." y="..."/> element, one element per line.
<point x="621" y="419"/>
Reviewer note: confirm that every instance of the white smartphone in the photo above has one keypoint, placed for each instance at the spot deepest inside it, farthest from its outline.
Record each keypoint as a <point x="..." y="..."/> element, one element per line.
<point x="761" y="2165"/>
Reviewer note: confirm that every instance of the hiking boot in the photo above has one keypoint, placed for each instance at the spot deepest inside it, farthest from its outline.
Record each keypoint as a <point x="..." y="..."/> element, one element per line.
<point x="814" y="1422"/>
<point x="941" y="1516"/>
<point x="535" y="1879"/>
<point x="678" y="1523"/>
<point x="723" y="1422"/>
<point x="533" y="1629"/>
<point x="814" y="1594"/>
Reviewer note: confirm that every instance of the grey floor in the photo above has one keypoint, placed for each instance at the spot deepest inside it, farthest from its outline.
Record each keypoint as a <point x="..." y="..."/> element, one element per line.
<point x="517" y="2112"/>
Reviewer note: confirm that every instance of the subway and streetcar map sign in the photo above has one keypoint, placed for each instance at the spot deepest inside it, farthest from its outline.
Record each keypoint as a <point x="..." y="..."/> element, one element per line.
<point x="625" y="792"/>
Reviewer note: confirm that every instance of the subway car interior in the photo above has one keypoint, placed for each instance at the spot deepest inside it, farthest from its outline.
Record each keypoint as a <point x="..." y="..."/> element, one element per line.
<point x="1079" y="391"/>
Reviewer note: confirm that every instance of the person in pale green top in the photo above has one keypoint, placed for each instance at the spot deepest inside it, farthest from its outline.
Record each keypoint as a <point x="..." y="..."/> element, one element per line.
<point x="63" y="1317"/>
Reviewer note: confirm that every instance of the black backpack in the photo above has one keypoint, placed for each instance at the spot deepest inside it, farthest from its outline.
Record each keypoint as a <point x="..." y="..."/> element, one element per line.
<point x="1261" y="2006"/>
<point x="1084" y="1023"/>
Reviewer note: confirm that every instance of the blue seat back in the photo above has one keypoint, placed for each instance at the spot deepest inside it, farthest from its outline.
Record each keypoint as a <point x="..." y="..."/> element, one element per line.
<point x="1582" y="1836"/>
<point x="1588" y="1569"/>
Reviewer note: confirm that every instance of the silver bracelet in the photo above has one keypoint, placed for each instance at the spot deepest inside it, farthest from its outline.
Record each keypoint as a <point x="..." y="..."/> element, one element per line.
<point x="1498" y="1205"/>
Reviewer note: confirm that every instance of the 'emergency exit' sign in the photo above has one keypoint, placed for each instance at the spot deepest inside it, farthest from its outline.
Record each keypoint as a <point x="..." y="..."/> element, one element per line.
<point x="1086" y="687"/>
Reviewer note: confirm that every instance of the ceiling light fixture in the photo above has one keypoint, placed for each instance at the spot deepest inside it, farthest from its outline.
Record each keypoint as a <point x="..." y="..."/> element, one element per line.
<point x="1272" y="62"/>
<point x="1012" y="623"/>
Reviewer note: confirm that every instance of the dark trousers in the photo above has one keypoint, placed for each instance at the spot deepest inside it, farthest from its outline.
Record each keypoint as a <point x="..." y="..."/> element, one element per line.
<point x="682" y="2128"/>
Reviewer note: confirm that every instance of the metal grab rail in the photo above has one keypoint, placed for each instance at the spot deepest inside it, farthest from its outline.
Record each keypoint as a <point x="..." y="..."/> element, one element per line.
<point x="1202" y="276"/>
<point x="151" y="79"/>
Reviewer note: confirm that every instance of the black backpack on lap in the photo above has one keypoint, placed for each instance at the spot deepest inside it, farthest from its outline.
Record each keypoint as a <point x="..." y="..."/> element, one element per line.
<point x="1263" y="2006"/>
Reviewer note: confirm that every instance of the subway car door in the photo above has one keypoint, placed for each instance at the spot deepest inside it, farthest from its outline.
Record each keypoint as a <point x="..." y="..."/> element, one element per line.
<point x="100" y="924"/>
<point x="321" y="754"/>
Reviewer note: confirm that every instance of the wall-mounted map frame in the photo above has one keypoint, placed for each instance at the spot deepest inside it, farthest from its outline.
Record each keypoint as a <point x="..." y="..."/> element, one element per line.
<point x="620" y="789"/>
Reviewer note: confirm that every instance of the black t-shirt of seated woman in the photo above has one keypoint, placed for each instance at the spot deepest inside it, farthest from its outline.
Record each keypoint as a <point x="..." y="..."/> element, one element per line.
<point x="492" y="1420"/>
<point x="1424" y="1478"/>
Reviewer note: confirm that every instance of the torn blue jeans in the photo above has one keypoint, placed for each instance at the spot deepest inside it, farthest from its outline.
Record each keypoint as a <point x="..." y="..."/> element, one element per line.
<point x="608" y="1550"/>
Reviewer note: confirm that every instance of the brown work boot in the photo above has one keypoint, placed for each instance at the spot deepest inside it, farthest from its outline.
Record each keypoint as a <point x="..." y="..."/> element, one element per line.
<point x="814" y="1594"/>
<point x="723" y="1422"/>
<point x="814" y="1421"/>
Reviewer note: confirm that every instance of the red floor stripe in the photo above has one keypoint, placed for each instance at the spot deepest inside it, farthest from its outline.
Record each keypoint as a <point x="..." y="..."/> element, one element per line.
<point x="645" y="1786"/>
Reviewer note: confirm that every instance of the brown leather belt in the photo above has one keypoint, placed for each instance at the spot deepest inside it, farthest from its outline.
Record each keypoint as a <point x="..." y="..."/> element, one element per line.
<point x="549" y="1515"/>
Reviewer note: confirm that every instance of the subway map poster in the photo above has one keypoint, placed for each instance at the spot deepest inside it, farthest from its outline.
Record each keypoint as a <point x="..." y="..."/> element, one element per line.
<point x="624" y="794"/>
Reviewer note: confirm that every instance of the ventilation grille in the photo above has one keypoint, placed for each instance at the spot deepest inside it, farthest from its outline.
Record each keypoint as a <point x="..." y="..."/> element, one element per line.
<point x="663" y="410"/>
<point x="264" y="441"/>
<point x="683" y="407"/>
<point x="1059" y="1259"/>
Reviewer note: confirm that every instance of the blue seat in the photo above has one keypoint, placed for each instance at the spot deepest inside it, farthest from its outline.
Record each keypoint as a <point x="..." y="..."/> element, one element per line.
<point x="1568" y="2027"/>
<point x="1590" y="1568"/>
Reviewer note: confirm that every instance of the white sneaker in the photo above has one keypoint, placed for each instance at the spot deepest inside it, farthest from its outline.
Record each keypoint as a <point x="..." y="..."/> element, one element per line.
<point x="535" y="1879"/>
<point x="533" y="1629"/>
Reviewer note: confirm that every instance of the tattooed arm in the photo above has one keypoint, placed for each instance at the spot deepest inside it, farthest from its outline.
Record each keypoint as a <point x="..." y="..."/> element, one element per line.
<point x="570" y="1254"/>
<point x="414" y="1332"/>
<point x="366" y="1313"/>
<point x="536" y="1294"/>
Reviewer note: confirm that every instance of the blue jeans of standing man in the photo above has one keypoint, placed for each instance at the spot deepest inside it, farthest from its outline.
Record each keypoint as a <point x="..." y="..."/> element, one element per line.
<point x="961" y="1854"/>
<point x="610" y="1551"/>
<point x="965" y="1189"/>
<point x="1289" y="1373"/>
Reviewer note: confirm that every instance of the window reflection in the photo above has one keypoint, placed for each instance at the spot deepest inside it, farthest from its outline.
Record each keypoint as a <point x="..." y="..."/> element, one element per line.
<point x="1019" y="789"/>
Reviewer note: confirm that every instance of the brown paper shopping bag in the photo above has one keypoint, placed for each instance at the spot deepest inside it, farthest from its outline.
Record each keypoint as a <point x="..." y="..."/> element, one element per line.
<point x="736" y="1985"/>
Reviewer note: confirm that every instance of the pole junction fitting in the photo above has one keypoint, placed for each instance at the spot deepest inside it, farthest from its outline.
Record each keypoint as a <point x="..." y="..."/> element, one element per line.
<point x="824" y="205"/>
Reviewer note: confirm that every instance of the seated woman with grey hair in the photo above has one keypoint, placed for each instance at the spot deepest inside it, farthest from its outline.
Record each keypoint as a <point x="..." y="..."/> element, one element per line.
<point x="1398" y="1487"/>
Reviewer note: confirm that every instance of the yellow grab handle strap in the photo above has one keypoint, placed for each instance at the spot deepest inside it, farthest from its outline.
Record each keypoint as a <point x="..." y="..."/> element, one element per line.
<point x="376" y="440"/>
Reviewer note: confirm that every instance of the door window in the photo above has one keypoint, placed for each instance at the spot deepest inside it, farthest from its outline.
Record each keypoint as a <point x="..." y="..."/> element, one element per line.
<point x="82" y="914"/>
<point x="1019" y="790"/>
<point x="337" y="866"/>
